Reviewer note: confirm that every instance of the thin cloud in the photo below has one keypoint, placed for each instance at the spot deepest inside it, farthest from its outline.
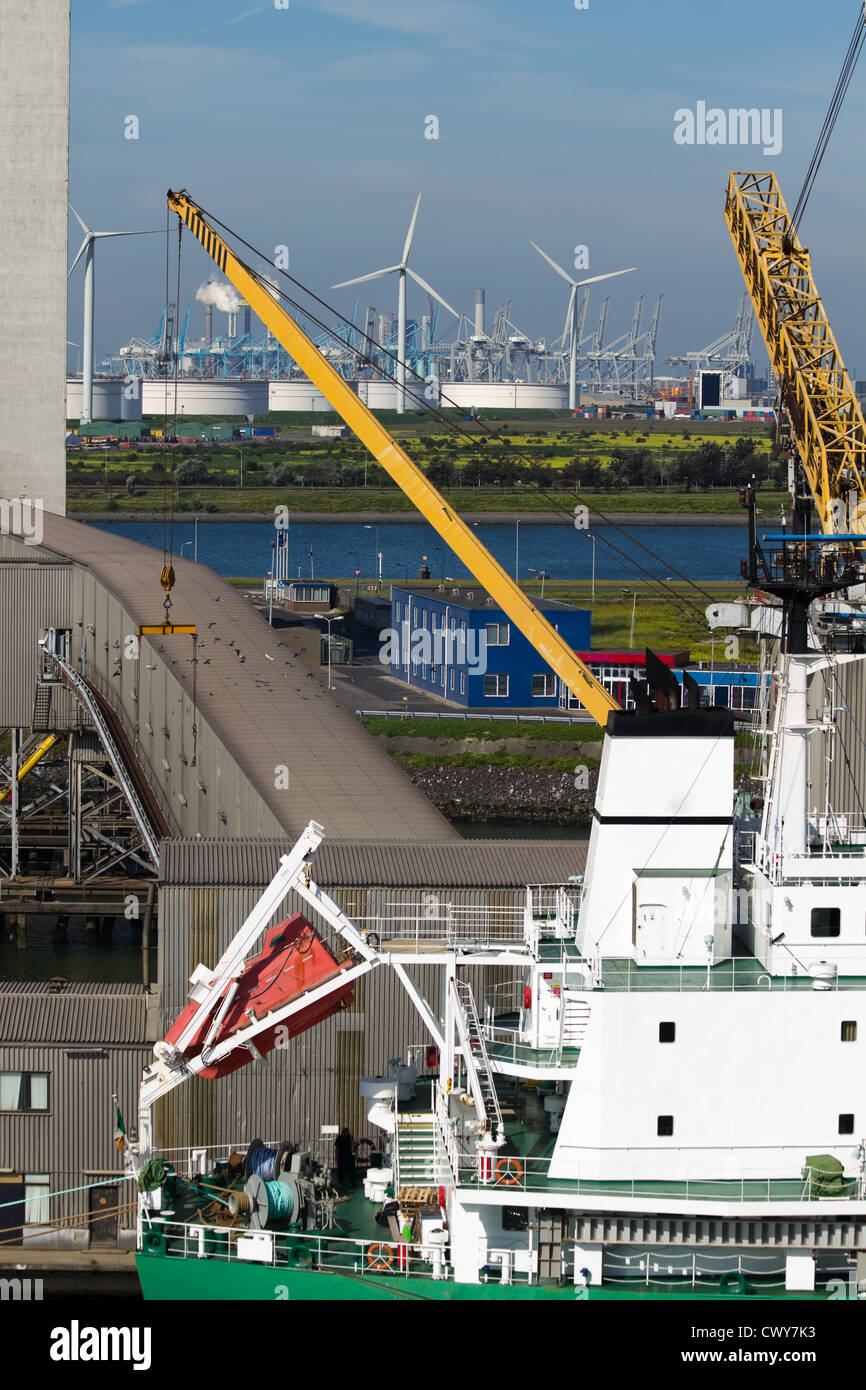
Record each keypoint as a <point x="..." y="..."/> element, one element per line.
<point x="246" y="14"/>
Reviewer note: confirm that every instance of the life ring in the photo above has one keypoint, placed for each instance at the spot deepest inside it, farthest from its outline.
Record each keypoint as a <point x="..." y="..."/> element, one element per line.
<point x="508" y="1172"/>
<point x="369" y="1144"/>
<point x="380" y="1257"/>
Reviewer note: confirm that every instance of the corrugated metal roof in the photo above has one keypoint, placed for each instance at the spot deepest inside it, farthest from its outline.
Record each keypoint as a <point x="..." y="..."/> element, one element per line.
<point x="377" y="864"/>
<point x="89" y="1015"/>
<point x="269" y="712"/>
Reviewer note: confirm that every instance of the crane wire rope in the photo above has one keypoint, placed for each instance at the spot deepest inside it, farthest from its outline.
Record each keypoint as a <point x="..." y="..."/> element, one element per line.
<point x="843" y="82"/>
<point x="669" y="596"/>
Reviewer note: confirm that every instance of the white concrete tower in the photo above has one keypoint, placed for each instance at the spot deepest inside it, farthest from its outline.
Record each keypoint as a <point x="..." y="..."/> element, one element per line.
<point x="34" y="176"/>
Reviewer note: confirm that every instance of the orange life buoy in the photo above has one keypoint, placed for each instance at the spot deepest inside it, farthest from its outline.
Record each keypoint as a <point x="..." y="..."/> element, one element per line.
<point x="369" y="1144"/>
<point x="508" y="1172"/>
<point x="380" y="1257"/>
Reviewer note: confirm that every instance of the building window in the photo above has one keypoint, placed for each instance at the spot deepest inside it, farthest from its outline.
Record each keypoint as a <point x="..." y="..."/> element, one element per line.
<point x="442" y="678"/>
<point x="423" y="670"/>
<point x="498" y="634"/>
<point x="414" y="668"/>
<point x="849" y="1030"/>
<point x="23" y="1090"/>
<point x="36" y="1189"/>
<point x="543" y="685"/>
<point x="310" y="593"/>
<point x="667" y="1032"/>
<point x="496" y="685"/>
<point x="846" y="1124"/>
<point x="462" y="682"/>
<point x="665" y="1126"/>
<point x="826" y="921"/>
<point x="434" y="674"/>
<point x="415" y="616"/>
<point x="452" y="677"/>
<point x="424" y="620"/>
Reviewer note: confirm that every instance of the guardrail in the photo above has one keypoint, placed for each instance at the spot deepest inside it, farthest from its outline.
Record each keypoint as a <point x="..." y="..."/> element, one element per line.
<point x="516" y="1173"/>
<point x="482" y="716"/>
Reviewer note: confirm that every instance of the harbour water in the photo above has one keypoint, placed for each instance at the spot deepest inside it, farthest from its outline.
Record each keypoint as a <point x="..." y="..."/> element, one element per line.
<point x="336" y="549"/>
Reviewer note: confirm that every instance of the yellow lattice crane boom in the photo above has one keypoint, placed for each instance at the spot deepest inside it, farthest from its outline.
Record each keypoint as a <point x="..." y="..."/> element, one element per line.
<point x="408" y="476"/>
<point x="827" y="427"/>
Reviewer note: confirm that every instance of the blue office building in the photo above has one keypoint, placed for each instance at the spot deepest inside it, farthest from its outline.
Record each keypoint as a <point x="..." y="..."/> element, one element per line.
<point x="457" y="644"/>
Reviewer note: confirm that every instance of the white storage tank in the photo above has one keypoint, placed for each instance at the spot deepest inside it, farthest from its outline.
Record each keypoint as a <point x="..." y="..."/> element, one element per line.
<point x="504" y="395"/>
<point x="299" y="394"/>
<point x="196" y="399"/>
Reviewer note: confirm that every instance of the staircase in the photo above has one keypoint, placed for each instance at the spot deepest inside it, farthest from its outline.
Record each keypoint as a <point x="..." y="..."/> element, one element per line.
<point x="476" y="1058"/>
<point x="416" y="1150"/>
<point x="575" y="1018"/>
<point x="40" y="722"/>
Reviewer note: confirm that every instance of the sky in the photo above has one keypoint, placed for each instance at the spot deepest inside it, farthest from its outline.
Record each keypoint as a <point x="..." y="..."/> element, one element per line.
<point x="304" y="123"/>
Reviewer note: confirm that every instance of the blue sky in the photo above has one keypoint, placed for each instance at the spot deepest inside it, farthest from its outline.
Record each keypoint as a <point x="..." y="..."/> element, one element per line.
<point x="305" y="127"/>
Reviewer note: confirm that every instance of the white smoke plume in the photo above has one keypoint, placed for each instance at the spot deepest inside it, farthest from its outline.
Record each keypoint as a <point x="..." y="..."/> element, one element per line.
<point x="220" y="295"/>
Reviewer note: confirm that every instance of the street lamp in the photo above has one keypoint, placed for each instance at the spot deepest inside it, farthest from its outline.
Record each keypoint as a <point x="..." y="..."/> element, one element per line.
<point x="542" y="574"/>
<point x="593" y="539"/>
<point x="517" y="551"/>
<point x="356" y="567"/>
<point x="378" y="565"/>
<point x="183" y="547"/>
<point x="271" y="585"/>
<point x="325" y="619"/>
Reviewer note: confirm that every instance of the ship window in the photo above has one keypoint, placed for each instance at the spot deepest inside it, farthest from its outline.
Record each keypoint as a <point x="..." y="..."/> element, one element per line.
<point x="515" y="1218"/>
<point x="826" y="921"/>
<point x="23" y="1090"/>
<point x="846" y="1124"/>
<point x="849" y="1030"/>
<point x="665" y="1125"/>
<point x="667" y="1032"/>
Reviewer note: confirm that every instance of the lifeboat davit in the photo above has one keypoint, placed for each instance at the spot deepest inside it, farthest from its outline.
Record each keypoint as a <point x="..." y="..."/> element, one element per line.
<point x="293" y="961"/>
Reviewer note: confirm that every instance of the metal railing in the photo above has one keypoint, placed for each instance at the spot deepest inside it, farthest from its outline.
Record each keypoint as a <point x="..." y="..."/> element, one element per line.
<point x="733" y="976"/>
<point x="517" y="1173"/>
<point x="481" y="716"/>
<point x="504" y="1045"/>
<point x="315" y="1250"/>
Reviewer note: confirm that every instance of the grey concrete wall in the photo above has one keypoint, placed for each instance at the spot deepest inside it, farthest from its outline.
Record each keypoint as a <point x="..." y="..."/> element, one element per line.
<point x="34" y="154"/>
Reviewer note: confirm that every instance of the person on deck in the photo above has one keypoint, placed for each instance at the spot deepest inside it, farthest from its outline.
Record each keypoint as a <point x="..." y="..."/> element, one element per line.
<point x="344" y="1150"/>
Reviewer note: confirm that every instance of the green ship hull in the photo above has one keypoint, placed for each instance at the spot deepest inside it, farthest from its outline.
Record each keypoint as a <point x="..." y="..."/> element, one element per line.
<point x="169" y="1278"/>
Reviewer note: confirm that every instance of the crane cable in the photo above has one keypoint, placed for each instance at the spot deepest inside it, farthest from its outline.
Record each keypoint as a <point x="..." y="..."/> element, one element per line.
<point x="842" y="84"/>
<point x="426" y="404"/>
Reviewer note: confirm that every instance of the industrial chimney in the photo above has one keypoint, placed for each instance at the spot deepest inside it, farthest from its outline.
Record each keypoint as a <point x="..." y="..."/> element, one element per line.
<point x="479" y="313"/>
<point x="246" y="308"/>
<point x="208" y="324"/>
<point x="232" y="325"/>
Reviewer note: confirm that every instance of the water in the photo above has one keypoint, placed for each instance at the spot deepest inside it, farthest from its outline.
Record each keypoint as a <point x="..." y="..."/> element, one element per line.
<point x="80" y="958"/>
<point x="341" y="547"/>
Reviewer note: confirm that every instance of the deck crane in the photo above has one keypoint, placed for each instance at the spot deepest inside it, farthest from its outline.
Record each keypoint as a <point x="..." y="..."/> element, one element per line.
<point x="826" y="431"/>
<point x="396" y="462"/>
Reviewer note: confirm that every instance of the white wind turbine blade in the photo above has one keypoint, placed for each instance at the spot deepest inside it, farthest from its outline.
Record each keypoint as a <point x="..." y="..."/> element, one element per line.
<point x="411" y="232"/>
<point x="567" y="330"/>
<point x="79" y="219"/>
<point x="594" y="279"/>
<point x="150" y="231"/>
<point x="374" y="275"/>
<point x="558" y="268"/>
<point x="81" y="250"/>
<point x="430" y="290"/>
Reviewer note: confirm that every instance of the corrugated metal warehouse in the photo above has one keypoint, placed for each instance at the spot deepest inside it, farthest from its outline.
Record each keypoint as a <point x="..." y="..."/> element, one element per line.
<point x="208" y="888"/>
<point x="63" y="1056"/>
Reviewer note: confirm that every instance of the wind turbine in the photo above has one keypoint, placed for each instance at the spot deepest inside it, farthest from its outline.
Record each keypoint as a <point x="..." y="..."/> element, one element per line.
<point x="571" y="315"/>
<point x="402" y="270"/>
<point x="86" y="250"/>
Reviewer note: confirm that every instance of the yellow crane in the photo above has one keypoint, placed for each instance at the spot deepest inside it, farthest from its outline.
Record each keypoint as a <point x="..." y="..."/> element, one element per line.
<point x="31" y="762"/>
<point x="827" y="427"/>
<point x="397" y="463"/>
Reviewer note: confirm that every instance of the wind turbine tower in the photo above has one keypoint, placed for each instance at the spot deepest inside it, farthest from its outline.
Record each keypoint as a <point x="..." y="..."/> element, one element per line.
<point x="86" y="250"/>
<point x="401" y="270"/>
<point x="571" y="325"/>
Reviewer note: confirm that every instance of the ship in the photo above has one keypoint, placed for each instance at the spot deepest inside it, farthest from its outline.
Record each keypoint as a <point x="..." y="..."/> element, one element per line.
<point x="646" y="1084"/>
<point x="659" y="1096"/>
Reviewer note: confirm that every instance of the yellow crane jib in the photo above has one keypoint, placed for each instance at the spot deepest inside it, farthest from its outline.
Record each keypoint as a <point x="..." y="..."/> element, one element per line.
<point x="406" y="474"/>
<point x="29" y="763"/>
<point x="827" y="425"/>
